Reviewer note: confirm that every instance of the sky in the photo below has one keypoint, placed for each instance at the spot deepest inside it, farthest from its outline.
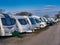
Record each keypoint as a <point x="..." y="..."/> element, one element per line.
<point x="35" y="6"/>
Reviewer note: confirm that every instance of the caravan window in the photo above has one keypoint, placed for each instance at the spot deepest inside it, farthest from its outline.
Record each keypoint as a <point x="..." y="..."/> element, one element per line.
<point x="3" y="21"/>
<point x="32" y="21"/>
<point x="41" y="19"/>
<point x="45" y="19"/>
<point x="8" y="21"/>
<point x="6" y="15"/>
<point x="37" y="21"/>
<point x="22" y="21"/>
<point x="13" y="21"/>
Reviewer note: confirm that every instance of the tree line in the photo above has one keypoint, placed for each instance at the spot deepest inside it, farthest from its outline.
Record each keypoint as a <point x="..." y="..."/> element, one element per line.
<point x="57" y="16"/>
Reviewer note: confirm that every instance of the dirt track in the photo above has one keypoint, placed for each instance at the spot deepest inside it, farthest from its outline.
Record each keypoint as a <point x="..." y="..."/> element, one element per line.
<point x="50" y="36"/>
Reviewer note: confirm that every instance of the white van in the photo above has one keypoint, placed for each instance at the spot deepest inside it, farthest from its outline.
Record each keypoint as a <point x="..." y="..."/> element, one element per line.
<point x="22" y="24"/>
<point x="7" y="25"/>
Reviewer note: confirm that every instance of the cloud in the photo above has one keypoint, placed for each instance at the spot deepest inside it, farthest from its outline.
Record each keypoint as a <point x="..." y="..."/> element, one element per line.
<point x="47" y="9"/>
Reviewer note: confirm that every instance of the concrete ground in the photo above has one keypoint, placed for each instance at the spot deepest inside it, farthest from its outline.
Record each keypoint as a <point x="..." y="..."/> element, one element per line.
<point x="50" y="36"/>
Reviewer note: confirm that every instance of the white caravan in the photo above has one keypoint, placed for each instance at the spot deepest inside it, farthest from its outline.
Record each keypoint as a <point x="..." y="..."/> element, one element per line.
<point x="40" y="22"/>
<point x="22" y="24"/>
<point x="7" y="25"/>
<point x="52" y="19"/>
<point x="32" y="22"/>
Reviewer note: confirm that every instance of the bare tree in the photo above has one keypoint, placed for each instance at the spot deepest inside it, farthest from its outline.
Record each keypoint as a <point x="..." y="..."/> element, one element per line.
<point x="24" y="13"/>
<point x="57" y="16"/>
<point x="2" y="10"/>
<point x="47" y="16"/>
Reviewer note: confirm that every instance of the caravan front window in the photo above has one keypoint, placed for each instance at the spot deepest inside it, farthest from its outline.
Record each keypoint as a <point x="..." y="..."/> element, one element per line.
<point x="44" y="20"/>
<point x="8" y="22"/>
<point x="37" y="21"/>
<point x="32" y="21"/>
<point x="22" y="21"/>
<point x="13" y="21"/>
<point x="41" y="19"/>
<point x="3" y="21"/>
